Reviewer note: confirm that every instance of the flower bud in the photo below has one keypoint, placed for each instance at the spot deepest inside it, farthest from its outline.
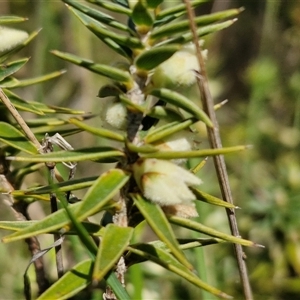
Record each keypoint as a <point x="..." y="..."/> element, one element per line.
<point x="11" y="38"/>
<point x="164" y="182"/>
<point x="116" y="115"/>
<point x="178" y="70"/>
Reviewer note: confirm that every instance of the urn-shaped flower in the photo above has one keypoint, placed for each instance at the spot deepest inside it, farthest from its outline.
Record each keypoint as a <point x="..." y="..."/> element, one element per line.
<point x="164" y="182"/>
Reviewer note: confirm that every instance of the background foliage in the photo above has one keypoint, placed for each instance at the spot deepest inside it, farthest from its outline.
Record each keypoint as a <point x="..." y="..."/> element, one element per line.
<point x="255" y="64"/>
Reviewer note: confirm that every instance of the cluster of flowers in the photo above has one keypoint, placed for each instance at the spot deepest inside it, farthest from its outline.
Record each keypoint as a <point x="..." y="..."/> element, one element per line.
<point x="165" y="182"/>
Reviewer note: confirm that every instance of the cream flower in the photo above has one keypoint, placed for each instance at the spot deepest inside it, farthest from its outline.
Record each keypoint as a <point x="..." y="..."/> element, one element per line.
<point x="178" y="70"/>
<point x="11" y="38"/>
<point x="164" y="182"/>
<point x="180" y="141"/>
<point x="116" y="115"/>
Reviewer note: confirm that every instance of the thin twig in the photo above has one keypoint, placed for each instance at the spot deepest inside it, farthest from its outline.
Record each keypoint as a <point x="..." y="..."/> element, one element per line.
<point x="58" y="249"/>
<point x="219" y="162"/>
<point x="20" y="121"/>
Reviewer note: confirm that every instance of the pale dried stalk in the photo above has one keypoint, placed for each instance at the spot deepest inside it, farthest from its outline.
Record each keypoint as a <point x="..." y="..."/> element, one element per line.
<point x="219" y="162"/>
<point x="20" y="121"/>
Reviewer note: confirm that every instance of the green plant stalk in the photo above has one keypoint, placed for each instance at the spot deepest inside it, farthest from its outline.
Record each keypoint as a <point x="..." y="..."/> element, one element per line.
<point x="135" y="271"/>
<point x="219" y="162"/>
<point x="201" y="267"/>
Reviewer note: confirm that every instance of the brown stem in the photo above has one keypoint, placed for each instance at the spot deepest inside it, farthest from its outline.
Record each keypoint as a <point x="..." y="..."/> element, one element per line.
<point x="20" y="211"/>
<point x="42" y="281"/>
<point x="219" y="162"/>
<point x="20" y="121"/>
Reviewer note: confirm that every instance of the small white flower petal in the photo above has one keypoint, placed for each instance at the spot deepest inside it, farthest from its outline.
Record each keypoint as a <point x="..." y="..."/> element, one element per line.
<point x="11" y="38"/>
<point x="179" y="69"/>
<point x="116" y="115"/>
<point x="157" y="189"/>
<point x="180" y="141"/>
<point x="164" y="182"/>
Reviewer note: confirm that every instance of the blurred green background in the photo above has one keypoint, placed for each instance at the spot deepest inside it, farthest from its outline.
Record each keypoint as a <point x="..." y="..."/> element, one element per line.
<point x="255" y="64"/>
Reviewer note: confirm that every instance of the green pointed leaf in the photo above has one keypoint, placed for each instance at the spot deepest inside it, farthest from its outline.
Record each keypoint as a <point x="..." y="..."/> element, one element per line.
<point x="120" y="49"/>
<point x="92" y="153"/>
<point x="12" y="67"/>
<point x="97" y="198"/>
<point x="38" y="107"/>
<point x="112" y="7"/>
<point x="71" y="283"/>
<point x="117" y="287"/>
<point x="19" y="195"/>
<point x="192" y="154"/>
<point x="130" y="105"/>
<point x="209" y="231"/>
<point x="180" y="8"/>
<point x="153" y="3"/>
<point x="97" y="15"/>
<point x="11" y="19"/>
<point x="108" y="37"/>
<point x="105" y="133"/>
<point x="21" y="104"/>
<point x="15" y="225"/>
<point x="13" y="137"/>
<point x="157" y="220"/>
<point x="122" y="2"/>
<point x="20" y="225"/>
<point x="58" y="110"/>
<point x="104" y="70"/>
<point x="153" y="57"/>
<point x="46" y="122"/>
<point x="167" y="130"/>
<point x="166" y="20"/>
<point x="53" y="222"/>
<point x="103" y="32"/>
<point x="205" y="30"/>
<point x="211" y="199"/>
<point x="51" y="130"/>
<point x="112" y="246"/>
<point x="183" y="102"/>
<point x="8" y="82"/>
<point x="183" y="26"/>
<point x="35" y="80"/>
<point x="128" y="41"/>
<point x="65" y="186"/>
<point x="141" y="17"/>
<point x="101" y="192"/>
<point x="162" y="112"/>
<point x="167" y="261"/>
<point x="184" y="244"/>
